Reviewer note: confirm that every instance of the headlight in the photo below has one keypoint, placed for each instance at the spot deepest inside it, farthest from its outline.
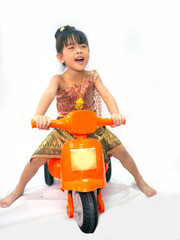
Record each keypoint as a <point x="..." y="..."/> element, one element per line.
<point x="83" y="159"/>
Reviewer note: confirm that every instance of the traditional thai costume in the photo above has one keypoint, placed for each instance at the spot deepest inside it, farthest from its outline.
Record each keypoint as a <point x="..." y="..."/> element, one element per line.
<point x="66" y="98"/>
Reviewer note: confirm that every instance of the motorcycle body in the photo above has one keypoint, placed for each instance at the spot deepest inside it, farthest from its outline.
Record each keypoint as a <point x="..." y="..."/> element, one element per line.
<point x="81" y="169"/>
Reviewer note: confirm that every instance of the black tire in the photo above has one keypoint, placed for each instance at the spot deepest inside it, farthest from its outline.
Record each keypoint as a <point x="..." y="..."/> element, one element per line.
<point x="109" y="171"/>
<point x="87" y="215"/>
<point x="49" y="180"/>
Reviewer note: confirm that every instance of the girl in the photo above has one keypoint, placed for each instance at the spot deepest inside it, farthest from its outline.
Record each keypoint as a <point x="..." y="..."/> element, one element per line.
<point x="75" y="89"/>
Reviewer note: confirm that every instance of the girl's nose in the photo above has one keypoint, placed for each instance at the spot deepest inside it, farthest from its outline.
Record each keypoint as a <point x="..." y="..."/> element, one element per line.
<point x="78" y="50"/>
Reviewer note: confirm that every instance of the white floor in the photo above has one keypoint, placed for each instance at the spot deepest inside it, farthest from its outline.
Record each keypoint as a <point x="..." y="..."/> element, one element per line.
<point x="129" y="214"/>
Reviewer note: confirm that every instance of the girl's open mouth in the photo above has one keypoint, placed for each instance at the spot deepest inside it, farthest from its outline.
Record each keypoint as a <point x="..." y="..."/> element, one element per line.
<point x="80" y="60"/>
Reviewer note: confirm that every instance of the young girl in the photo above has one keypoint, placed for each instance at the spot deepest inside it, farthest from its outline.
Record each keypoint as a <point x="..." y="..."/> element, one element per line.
<point x="75" y="89"/>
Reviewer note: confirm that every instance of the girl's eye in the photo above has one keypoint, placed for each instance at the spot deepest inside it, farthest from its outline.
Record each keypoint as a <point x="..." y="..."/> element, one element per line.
<point x="71" y="47"/>
<point x="84" y="46"/>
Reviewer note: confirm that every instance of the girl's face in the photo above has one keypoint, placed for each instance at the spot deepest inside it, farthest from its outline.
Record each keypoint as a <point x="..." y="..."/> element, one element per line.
<point x="74" y="55"/>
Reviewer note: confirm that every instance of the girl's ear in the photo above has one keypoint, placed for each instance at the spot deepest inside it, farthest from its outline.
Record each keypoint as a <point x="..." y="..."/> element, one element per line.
<point x="60" y="57"/>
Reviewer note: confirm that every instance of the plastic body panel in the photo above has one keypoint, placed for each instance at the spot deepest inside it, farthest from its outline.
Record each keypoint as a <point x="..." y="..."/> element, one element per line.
<point x="82" y="181"/>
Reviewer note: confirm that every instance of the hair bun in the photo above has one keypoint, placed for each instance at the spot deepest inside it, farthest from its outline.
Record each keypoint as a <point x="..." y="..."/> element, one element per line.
<point x="62" y="29"/>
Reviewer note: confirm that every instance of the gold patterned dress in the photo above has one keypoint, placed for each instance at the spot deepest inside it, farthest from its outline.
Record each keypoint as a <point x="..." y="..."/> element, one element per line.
<point x="66" y="98"/>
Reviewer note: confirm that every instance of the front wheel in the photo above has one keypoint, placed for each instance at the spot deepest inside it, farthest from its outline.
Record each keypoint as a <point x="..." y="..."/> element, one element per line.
<point x="85" y="211"/>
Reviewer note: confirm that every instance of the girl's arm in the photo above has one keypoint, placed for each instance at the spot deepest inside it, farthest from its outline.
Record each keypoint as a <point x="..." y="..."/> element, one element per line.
<point x="42" y="121"/>
<point x="110" y="102"/>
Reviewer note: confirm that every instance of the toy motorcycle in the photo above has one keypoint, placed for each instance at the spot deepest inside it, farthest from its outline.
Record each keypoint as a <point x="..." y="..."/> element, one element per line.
<point x="81" y="168"/>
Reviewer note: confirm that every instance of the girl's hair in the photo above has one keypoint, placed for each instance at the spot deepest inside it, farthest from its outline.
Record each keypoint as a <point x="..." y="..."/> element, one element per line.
<point x="67" y="34"/>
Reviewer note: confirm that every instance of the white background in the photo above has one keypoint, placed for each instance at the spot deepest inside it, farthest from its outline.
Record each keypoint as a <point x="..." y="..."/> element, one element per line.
<point x="135" y="47"/>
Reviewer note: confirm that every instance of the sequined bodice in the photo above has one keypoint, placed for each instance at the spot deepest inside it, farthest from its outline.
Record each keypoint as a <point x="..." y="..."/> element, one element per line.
<point x="67" y="96"/>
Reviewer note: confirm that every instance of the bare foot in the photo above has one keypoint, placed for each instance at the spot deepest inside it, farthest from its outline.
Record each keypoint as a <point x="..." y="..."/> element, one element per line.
<point x="7" y="201"/>
<point x="145" y="188"/>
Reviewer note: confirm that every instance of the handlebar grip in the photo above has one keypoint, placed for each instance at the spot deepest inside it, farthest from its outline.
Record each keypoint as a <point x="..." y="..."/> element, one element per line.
<point x="54" y="124"/>
<point x="106" y="122"/>
<point x="33" y="124"/>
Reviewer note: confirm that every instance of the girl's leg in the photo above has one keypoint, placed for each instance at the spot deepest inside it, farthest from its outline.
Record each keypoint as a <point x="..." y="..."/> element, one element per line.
<point x="29" y="171"/>
<point x="128" y="163"/>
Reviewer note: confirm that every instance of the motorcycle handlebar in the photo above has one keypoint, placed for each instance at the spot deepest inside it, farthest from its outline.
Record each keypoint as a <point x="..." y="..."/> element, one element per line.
<point x="101" y="122"/>
<point x="79" y="122"/>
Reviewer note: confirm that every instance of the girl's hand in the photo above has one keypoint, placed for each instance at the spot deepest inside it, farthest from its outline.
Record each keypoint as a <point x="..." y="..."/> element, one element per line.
<point x="42" y="122"/>
<point x="118" y="119"/>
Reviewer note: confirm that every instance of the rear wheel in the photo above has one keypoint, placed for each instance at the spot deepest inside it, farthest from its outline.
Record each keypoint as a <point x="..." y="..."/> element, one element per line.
<point x="109" y="171"/>
<point x="49" y="180"/>
<point x="85" y="211"/>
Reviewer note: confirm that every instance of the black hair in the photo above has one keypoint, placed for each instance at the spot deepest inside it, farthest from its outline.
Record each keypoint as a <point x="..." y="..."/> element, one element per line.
<point x="67" y="34"/>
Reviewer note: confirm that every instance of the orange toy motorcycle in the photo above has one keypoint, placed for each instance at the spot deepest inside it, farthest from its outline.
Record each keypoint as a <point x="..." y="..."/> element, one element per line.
<point x="81" y="168"/>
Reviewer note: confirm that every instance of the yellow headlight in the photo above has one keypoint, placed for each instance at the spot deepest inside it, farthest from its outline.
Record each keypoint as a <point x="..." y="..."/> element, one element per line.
<point x="83" y="159"/>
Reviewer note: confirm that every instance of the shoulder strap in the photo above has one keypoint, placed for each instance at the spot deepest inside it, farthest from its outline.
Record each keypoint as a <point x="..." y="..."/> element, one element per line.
<point x="95" y="75"/>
